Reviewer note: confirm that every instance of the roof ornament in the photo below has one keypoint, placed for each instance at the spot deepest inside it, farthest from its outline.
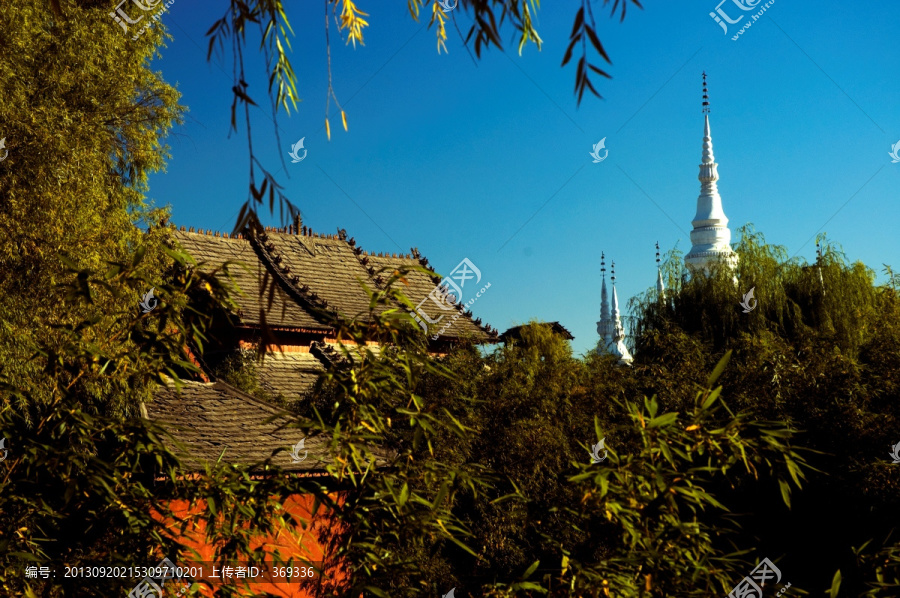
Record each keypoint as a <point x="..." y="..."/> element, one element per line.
<point x="705" y="95"/>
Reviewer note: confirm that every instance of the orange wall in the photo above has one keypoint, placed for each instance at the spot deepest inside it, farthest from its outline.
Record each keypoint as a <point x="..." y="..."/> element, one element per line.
<point x="299" y="543"/>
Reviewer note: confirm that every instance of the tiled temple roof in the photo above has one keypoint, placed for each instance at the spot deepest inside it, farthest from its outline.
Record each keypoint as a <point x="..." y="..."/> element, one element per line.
<point x="313" y="271"/>
<point x="207" y="418"/>
<point x="289" y="374"/>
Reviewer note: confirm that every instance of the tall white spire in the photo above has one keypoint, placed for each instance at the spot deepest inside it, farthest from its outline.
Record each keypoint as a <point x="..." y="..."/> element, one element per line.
<point x="610" y="325"/>
<point x="711" y="237"/>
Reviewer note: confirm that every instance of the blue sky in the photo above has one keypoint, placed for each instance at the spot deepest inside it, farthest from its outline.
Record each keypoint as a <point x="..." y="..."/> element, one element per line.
<point x="490" y="161"/>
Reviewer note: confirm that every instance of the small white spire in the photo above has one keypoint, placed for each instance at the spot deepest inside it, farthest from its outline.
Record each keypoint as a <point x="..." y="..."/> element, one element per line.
<point x="660" y="286"/>
<point x="612" y="331"/>
<point x="819" y="267"/>
<point x="617" y="323"/>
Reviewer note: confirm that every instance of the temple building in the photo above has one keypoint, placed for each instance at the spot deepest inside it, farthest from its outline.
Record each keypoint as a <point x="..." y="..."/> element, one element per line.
<point x="315" y="275"/>
<point x="309" y="278"/>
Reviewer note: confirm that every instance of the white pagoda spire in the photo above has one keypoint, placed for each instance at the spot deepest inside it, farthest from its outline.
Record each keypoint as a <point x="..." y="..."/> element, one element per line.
<point x="819" y="264"/>
<point x="660" y="286"/>
<point x="711" y="237"/>
<point x="609" y="327"/>
<point x="604" y="329"/>
<point x="617" y="347"/>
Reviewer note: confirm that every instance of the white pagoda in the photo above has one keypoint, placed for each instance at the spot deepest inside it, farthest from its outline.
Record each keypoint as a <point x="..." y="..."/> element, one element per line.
<point x="711" y="237"/>
<point x="612" y="334"/>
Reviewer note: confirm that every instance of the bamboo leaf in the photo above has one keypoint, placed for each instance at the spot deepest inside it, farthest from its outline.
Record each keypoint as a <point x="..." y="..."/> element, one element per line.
<point x="666" y="419"/>
<point x="720" y="367"/>
<point x="835" y="584"/>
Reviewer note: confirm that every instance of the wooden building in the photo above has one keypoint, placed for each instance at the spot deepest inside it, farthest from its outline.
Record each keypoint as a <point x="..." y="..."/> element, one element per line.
<point x="314" y="275"/>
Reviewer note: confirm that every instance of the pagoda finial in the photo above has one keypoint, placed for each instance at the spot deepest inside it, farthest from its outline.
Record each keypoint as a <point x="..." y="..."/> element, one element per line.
<point x="603" y="264"/>
<point x="657" y="254"/>
<point x="705" y="95"/>
<point x="613" y="273"/>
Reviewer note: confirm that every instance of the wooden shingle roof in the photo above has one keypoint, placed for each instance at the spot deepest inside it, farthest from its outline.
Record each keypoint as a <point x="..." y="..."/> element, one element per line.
<point x="208" y="418"/>
<point x="289" y="374"/>
<point x="417" y="288"/>
<point x="215" y="251"/>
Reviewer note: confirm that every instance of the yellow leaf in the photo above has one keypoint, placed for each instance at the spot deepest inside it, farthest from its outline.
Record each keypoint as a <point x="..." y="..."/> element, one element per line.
<point x="692" y="428"/>
<point x="328" y="129"/>
<point x="344" y="118"/>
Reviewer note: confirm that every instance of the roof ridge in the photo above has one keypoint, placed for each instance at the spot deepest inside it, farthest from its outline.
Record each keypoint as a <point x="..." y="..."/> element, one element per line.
<point x="263" y="247"/>
<point x="362" y="256"/>
<point x="208" y="232"/>
<point x="327" y="355"/>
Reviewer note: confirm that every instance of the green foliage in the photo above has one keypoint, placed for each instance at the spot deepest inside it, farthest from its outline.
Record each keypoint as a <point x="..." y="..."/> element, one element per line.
<point x="651" y="509"/>
<point x="85" y="485"/>
<point x="668" y="529"/>
<point x="820" y="353"/>
<point x="794" y="301"/>
<point x="396" y="504"/>
<point x="83" y="116"/>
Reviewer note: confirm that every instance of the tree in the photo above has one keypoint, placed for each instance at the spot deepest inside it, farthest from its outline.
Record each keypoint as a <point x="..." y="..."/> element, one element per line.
<point x="83" y="118"/>
<point x="817" y="354"/>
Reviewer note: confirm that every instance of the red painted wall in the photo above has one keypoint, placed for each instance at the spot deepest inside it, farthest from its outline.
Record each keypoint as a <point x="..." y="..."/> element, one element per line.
<point x="301" y="543"/>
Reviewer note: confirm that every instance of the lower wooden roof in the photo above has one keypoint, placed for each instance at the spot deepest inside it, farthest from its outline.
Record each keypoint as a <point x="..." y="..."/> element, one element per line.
<point x="207" y="418"/>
